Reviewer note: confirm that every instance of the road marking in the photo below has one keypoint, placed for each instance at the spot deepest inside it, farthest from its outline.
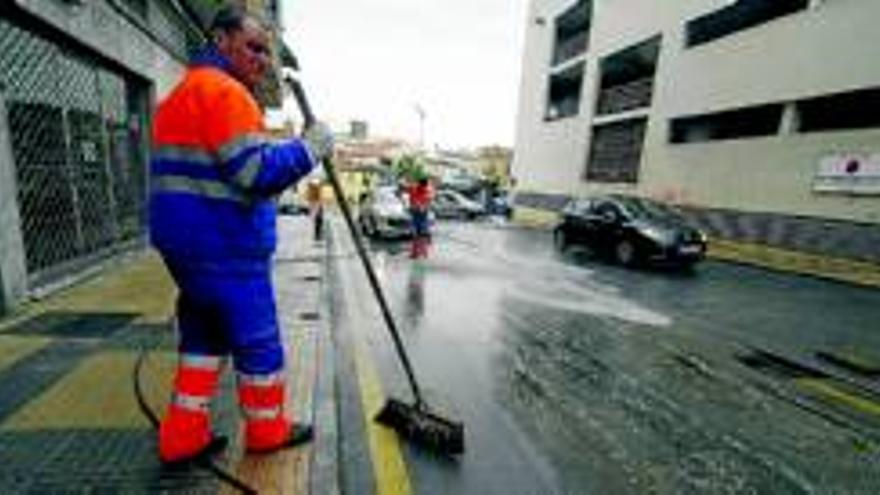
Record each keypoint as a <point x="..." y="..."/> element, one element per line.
<point x="97" y="394"/>
<point x="14" y="348"/>
<point x="389" y="467"/>
<point x="388" y="464"/>
<point x="826" y="388"/>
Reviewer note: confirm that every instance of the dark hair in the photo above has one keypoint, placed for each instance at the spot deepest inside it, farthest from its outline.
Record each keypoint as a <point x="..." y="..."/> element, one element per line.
<point x="229" y="18"/>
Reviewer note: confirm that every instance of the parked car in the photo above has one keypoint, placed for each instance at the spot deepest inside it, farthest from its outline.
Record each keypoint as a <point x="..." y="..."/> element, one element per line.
<point x="630" y="230"/>
<point x="452" y="204"/>
<point x="383" y="213"/>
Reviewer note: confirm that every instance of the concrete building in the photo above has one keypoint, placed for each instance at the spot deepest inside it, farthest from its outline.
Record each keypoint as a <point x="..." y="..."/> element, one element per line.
<point x="78" y="83"/>
<point x="761" y="118"/>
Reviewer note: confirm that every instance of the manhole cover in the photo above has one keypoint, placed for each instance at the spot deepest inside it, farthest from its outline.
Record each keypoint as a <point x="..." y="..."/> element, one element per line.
<point x="310" y="315"/>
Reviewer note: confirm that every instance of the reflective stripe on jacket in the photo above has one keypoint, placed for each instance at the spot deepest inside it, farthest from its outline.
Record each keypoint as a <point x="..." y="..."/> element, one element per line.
<point x="214" y="171"/>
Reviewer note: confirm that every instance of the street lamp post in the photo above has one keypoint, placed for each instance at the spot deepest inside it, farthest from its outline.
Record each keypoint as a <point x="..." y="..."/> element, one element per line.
<point x="420" y="111"/>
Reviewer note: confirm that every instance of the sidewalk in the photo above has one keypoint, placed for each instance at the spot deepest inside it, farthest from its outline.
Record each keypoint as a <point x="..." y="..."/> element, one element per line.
<point x="68" y="417"/>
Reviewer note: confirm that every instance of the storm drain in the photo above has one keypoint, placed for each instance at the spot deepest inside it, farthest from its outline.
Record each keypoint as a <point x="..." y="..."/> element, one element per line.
<point x="95" y="461"/>
<point x="310" y="316"/>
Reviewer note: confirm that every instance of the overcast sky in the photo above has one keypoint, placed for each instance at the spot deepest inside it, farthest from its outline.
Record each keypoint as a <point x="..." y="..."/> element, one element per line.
<point x="377" y="59"/>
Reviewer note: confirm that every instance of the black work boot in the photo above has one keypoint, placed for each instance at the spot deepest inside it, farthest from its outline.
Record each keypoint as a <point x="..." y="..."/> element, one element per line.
<point x="299" y="434"/>
<point x="217" y="445"/>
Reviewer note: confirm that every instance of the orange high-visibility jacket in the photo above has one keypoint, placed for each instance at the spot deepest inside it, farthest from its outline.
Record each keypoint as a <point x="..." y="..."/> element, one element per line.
<point x="214" y="171"/>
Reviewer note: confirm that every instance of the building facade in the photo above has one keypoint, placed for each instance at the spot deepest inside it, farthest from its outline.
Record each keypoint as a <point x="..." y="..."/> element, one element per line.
<point x="78" y="83"/>
<point x="761" y="118"/>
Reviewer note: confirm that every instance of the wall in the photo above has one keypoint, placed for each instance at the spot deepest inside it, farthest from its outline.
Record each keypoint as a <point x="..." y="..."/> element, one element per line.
<point x="827" y="49"/>
<point x="102" y="29"/>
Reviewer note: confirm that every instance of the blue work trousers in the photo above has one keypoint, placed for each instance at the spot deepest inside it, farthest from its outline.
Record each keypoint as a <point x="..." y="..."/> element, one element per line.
<point x="228" y="307"/>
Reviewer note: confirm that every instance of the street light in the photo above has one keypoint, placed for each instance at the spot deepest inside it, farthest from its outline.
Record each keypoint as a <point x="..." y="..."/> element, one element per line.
<point x="420" y="111"/>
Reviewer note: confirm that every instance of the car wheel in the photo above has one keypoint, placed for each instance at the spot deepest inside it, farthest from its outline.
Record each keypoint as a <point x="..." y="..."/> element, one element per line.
<point x="625" y="253"/>
<point x="688" y="267"/>
<point x="559" y="239"/>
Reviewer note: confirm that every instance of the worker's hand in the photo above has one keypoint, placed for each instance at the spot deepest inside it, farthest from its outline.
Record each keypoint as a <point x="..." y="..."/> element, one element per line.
<point x="319" y="139"/>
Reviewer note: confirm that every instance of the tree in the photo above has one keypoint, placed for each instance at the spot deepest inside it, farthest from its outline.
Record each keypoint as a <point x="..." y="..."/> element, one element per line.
<point x="409" y="167"/>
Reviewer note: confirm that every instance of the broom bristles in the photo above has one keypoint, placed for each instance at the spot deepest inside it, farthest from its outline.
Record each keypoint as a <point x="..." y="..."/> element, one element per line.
<point x="422" y="427"/>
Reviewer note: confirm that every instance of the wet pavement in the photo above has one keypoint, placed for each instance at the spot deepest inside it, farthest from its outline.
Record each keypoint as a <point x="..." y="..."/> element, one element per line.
<point x="575" y="376"/>
<point x="571" y="375"/>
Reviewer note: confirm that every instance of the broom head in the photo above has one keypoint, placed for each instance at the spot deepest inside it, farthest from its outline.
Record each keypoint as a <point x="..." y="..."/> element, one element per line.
<point x="422" y="427"/>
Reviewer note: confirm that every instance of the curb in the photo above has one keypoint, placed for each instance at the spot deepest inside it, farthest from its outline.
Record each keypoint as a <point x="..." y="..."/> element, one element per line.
<point x="325" y="469"/>
<point x="852" y="272"/>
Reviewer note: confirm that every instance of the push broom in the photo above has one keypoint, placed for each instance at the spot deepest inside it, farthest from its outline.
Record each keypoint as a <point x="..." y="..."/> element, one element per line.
<point x="415" y="422"/>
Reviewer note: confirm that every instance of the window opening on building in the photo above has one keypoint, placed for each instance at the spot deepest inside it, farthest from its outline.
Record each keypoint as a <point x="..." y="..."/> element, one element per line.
<point x="851" y="110"/>
<point x="627" y="78"/>
<point x="757" y="121"/>
<point x="564" y="93"/>
<point x="78" y="145"/>
<point x="738" y="16"/>
<point x="616" y="151"/>
<point x="572" y="32"/>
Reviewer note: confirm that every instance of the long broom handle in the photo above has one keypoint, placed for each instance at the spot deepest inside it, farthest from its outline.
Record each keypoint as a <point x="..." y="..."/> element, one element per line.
<point x="309" y="117"/>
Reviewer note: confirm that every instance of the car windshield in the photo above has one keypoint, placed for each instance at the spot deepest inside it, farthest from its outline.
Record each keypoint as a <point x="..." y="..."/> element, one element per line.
<point x="640" y="208"/>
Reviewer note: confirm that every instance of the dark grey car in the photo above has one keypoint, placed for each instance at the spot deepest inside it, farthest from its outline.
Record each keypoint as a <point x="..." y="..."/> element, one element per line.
<point x="630" y="230"/>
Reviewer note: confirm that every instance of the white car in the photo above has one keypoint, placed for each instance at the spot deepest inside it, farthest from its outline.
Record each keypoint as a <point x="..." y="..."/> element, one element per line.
<point x="384" y="214"/>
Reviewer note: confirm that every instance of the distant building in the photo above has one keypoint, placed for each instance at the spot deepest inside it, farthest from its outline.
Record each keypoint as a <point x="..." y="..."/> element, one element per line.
<point x="78" y="83"/>
<point x="360" y="129"/>
<point x="760" y="117"/>
<point x="363" y="162"/>
<point x="494" y="164"/>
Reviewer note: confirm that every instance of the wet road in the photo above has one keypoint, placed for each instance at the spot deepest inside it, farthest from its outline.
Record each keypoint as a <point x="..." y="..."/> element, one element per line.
<point x="574" y="376"/>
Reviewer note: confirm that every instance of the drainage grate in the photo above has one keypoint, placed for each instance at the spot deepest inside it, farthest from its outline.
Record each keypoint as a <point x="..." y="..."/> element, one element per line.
<point x="68" y="324"/>
<point x="154" y="337"/>
<point x="91" y="461"/>
<point x="310" y="315"/>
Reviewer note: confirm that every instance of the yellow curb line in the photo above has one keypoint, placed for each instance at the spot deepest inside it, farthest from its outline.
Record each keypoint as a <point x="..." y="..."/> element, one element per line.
<point x="534" y="217"/>
<point x="840" y="269"/>
<point x="827" y="389"/>
<point x="388" y="464"/>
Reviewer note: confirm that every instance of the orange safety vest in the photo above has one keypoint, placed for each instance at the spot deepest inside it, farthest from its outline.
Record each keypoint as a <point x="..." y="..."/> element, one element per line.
<point x="214" y="171"/>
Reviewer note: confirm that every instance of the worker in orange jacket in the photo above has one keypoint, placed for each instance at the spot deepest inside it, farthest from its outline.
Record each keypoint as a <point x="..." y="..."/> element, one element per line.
<point x="214" y="176"/>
